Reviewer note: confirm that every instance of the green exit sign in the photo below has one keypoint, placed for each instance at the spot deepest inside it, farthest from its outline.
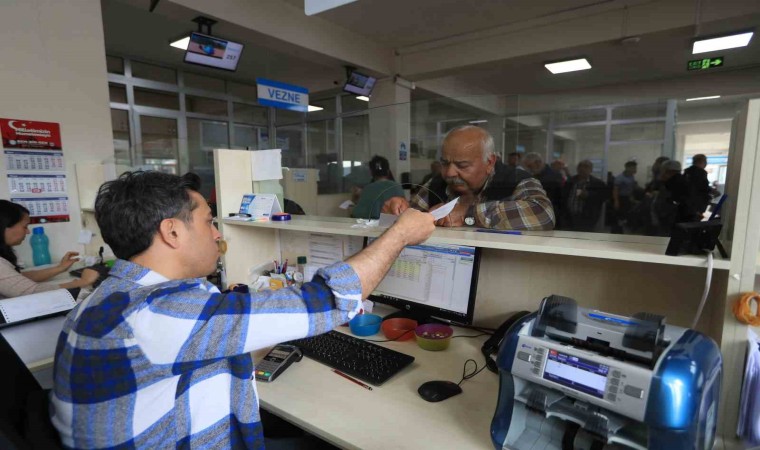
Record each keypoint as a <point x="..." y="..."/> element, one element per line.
<point x="706" y="63"/>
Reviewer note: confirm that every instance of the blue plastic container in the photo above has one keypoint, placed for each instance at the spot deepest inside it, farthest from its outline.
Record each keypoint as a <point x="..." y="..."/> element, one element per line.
<point x="365" y="324"/>
<point x="40" y="247"/>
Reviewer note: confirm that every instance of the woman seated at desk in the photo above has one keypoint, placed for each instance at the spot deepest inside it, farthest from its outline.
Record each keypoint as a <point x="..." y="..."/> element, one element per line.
<point x="374" y="195"/>
<point x="14" y="223"/>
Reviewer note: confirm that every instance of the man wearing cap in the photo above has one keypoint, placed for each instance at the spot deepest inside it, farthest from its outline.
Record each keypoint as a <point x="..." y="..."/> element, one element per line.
<point x="680" y="192"/>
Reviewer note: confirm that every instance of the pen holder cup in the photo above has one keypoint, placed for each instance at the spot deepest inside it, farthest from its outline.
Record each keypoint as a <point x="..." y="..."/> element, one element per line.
<point x="399" y="329"/>
<point x="433" y="336"/>
<point x="365" y="324"/>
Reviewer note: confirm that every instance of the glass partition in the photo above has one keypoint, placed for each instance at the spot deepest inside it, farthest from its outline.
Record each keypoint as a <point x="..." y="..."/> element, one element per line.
<point x="605" y="137"/>
<point x="588" y="145"/>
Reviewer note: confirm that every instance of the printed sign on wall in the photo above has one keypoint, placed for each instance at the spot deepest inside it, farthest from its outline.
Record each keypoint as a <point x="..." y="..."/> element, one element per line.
<point x="45" y="209"/>
<point x="36" y="184"/>
<point x="281" y="95"/>
<point x="30" y="134"/>
<point x="35" y="168"/>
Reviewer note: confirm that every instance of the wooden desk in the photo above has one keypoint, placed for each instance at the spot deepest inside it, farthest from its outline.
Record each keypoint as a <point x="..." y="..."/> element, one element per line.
<point x="391" y="416"/>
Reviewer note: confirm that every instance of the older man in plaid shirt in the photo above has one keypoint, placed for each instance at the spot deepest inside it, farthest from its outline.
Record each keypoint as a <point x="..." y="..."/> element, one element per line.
<point x="157" y="357"/>
<point x="491" y="194"/>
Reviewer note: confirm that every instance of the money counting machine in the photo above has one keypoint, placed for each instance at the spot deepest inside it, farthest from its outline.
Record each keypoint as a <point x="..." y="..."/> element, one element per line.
<point x="575" y="378"/>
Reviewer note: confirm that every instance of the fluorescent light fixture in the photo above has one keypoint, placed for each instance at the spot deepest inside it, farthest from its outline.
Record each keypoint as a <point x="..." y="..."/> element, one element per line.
<point x="568" y="66"/>
<point x="181" y="43"/>
<point x="312" y="7"/>
<point x="313" y="108"/>
<point x="722" y="43"/>
<point x="362" y="98"/>
<point x="695" y="99"/>
<point x="475" y="122"/>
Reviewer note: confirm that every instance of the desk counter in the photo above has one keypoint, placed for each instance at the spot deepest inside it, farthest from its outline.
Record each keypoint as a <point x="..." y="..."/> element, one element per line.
<point x="647" y="249"/>
<point x="391" y="416"/>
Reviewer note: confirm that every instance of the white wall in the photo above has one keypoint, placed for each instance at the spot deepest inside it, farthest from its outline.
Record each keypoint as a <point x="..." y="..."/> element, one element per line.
<point x="54" y="70"/>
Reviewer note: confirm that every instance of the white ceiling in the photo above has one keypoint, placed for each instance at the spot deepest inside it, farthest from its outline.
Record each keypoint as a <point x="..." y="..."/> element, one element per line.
<point x="655" y="56"/>
<point x="399" y="23"/>
<point x="131" y="30"/>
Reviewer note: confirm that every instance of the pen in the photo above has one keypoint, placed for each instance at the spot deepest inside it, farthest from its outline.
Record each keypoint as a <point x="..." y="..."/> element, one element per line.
<point x="352" y="379"/>
<point x="485" y="230"/>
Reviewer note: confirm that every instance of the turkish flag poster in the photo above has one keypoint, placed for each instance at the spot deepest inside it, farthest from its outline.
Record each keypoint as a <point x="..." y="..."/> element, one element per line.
<point x="30" y="134"/>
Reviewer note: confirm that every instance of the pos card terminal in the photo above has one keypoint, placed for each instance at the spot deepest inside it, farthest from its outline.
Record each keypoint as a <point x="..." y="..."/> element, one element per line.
<point x="276" y="361"/>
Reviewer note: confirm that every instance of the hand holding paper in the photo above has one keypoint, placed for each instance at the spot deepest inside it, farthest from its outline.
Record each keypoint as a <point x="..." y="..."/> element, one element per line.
<point x="444" y="210"/>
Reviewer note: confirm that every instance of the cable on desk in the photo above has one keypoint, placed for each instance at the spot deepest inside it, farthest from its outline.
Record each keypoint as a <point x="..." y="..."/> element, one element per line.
<point x="465" y="375"/>
<point x="743" y="309"/>
<point x="410" y="331"/>
<point x="476" y="328"/>
<point x="390" y="340"/>
<point x="706" y="290"/>
<point x="470" y="336"/>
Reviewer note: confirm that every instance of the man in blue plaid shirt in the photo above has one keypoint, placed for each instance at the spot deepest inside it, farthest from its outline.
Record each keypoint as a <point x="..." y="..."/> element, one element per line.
<point x="157" y="357"/>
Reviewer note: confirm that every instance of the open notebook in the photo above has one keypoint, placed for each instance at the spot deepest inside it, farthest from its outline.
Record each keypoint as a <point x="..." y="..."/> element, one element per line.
<point x="35" y="306"/>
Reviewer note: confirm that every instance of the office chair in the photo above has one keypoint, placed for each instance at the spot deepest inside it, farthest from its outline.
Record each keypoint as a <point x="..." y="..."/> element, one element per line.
<point x="24" y="406"/>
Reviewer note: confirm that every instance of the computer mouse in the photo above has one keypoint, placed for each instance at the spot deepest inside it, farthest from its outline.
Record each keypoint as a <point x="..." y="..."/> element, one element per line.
<point x="436" y="391"/>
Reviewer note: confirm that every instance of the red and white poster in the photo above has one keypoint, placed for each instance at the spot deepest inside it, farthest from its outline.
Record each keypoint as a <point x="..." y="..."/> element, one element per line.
<point x="30" y="134"/>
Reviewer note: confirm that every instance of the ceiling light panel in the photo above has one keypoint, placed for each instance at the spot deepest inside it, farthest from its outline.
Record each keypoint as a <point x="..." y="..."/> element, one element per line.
<point x="568" y="66"/>
<point x="181" y="43"/>
<point x="702" y="98"/>
<point x="312" y="7"/>
<point x="722" y="43"/>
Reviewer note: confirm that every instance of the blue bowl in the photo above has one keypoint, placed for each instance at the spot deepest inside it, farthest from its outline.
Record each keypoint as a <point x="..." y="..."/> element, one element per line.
<point x="365" y="324"/>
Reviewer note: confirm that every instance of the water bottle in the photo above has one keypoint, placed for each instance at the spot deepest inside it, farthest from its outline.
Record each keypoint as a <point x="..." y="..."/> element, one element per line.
<point x="40" y="250"/>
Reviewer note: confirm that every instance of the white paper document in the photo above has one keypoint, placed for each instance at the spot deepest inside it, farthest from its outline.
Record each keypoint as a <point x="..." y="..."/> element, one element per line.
<point x="85" y="237"/>
<point x="387" y="220"/>
<point x="444" y="210"/>
<point x="325" y="249"/>
<point x="27" y="307"/>
<point x="266" y="165"/>
<point x="352" y="245"/>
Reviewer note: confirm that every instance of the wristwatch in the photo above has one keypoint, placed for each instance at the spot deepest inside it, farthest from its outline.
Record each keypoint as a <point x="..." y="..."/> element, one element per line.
<point x="469" y="217"/>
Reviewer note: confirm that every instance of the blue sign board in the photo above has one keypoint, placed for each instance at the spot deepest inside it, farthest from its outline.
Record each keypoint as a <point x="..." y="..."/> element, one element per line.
<point x="281" y="95"/>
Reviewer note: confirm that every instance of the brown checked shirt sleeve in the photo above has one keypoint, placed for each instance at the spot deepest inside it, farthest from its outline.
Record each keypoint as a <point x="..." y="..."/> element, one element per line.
<point x="527" y="209"/>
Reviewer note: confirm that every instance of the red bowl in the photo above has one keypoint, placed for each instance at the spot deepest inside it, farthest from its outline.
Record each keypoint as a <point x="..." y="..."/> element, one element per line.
<point x="398" y="329"/>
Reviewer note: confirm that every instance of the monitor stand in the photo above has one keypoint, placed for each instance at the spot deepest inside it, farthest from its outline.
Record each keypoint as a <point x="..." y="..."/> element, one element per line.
<point x="420" y="318"/>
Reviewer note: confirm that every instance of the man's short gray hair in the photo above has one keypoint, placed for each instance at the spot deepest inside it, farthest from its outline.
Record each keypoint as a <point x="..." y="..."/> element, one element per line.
<point x="486" y="141"/>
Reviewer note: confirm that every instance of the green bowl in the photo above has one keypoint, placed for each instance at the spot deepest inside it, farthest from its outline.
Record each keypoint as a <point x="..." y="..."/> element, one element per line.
<point x="433" y="336"/>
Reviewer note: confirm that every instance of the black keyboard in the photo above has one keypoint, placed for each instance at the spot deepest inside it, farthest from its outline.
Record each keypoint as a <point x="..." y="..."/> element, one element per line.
<point x="364" y="360"/>
<point x="102" y="270"/>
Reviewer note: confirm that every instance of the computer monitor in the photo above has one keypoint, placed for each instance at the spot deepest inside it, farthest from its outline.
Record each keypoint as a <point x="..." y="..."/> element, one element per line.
<point x="213" y="52"/>
<point x="359" y="84"/>
<point x="432" y="281"/>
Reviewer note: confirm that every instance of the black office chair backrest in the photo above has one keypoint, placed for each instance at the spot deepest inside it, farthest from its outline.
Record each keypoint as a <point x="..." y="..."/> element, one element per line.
<point x="24" y="409"/>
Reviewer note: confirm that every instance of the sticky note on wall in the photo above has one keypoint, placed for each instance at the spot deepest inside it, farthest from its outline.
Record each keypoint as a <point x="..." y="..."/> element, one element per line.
<point x="266" y="165"/>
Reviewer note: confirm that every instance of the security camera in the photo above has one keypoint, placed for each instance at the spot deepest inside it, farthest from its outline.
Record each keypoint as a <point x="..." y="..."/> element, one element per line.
<point x="403" y="82"/>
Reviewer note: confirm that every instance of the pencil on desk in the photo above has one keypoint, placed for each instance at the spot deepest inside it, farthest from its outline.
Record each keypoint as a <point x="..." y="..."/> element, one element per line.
<point x="365" y="386"/>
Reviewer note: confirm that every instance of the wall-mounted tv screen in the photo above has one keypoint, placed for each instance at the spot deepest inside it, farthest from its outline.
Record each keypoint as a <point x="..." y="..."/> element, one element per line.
<point x="359" y="84"/>
<point x="213" y="52"/>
